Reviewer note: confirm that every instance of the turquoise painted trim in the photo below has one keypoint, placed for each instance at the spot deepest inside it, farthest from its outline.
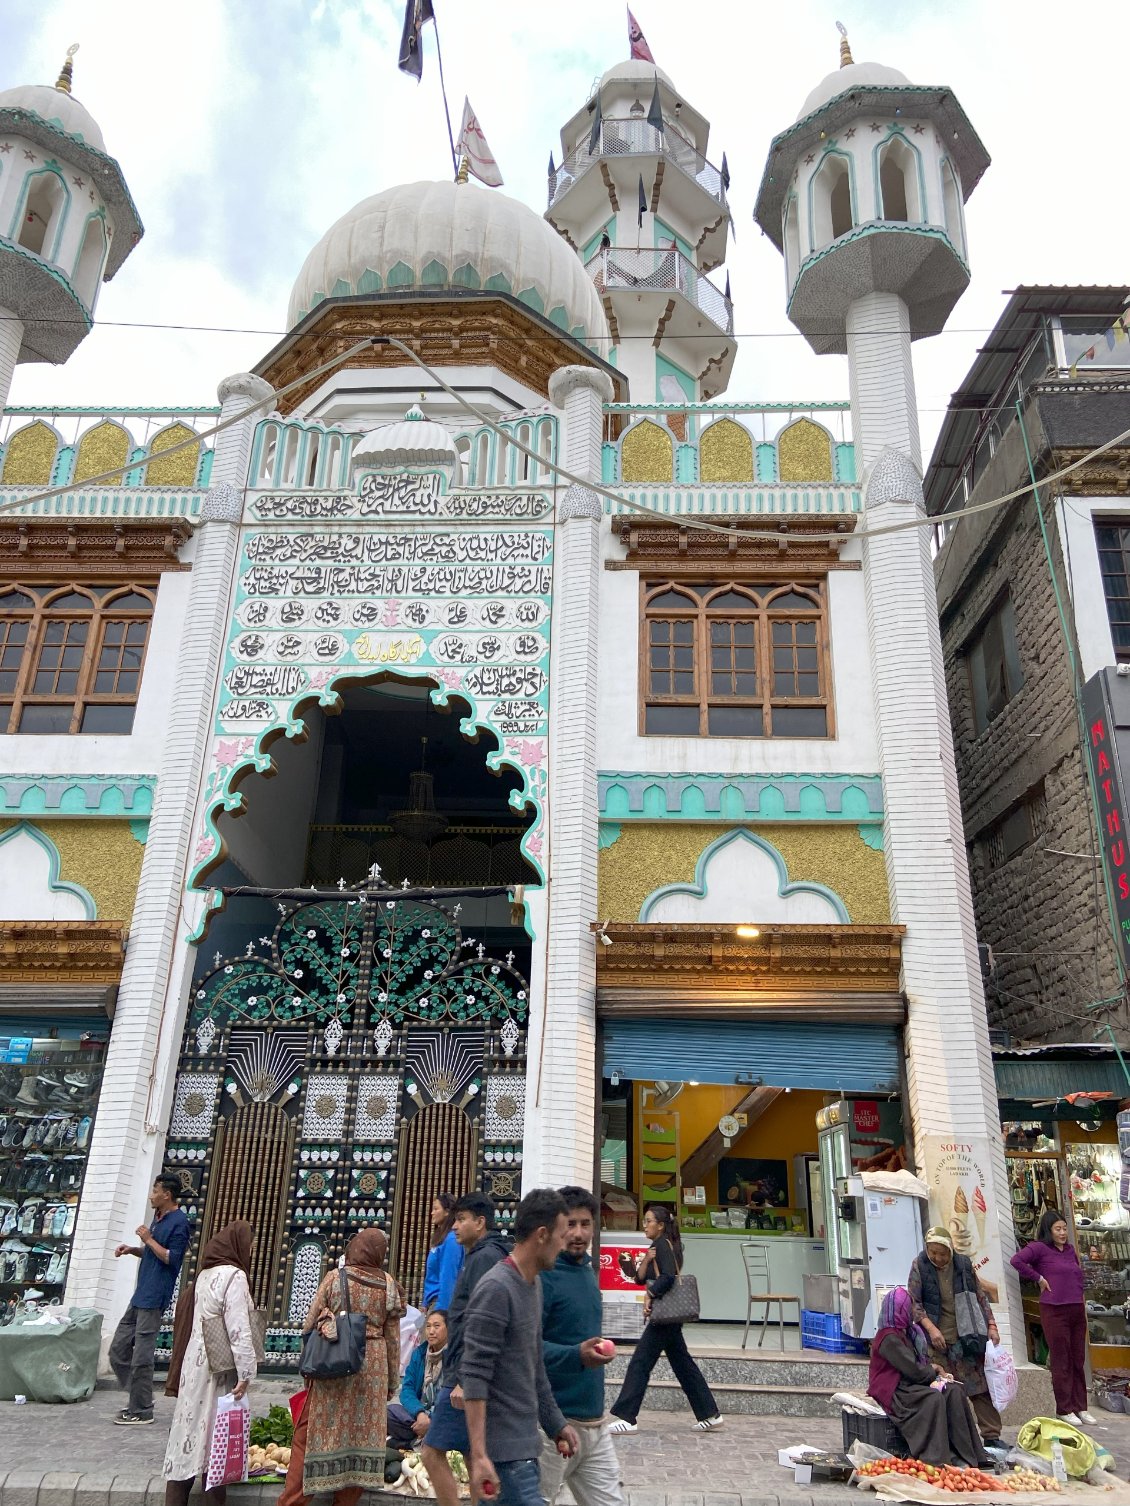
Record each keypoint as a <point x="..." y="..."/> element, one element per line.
<point x="99" y="215"/>
<point x="843" y="462"/>
<point x="946" y="166"/>
<point x="765" y="461"/>
<point x="607" y="833"/>
<point x="873" y="836"/>
<point x="686" y="463"/>
<point x="52" y="168"/>
<point x="853" y="195"/>
<point x="136" y="475"/>
<point x="54" y="882"/>
<point x="896" y="131"/>
<point x="639" y="796"/>
<point x="139" y="831"/>
<point x="9" y="245"/>
<point x="141" y="502"/>
<point x="77" y="795"/>
<point x="697" y="889"/>
<point x="124" y="412"/>
<point x="728" y="500"/>
<point x="64" y="467"/>
<point x="609" y="462"/>
<point x="204" y="474"/>
<point x="798" y="408"/>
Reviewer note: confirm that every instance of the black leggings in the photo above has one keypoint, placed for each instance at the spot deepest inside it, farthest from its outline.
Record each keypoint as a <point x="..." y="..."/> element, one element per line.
<point x="666" y="1338"/>
<point x="177" y="1492"/>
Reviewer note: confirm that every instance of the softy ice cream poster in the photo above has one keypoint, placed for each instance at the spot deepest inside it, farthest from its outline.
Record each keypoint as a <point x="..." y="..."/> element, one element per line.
<point x="958" y="1171"/>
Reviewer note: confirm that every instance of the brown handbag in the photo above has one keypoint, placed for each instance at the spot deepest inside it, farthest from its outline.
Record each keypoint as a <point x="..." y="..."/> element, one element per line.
<point x="217" y="1343"/>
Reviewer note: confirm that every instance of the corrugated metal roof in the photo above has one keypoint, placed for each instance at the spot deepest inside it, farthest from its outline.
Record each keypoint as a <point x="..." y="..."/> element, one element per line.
<point x="1026" y="308"/>
<point x="1067" y="1049"/>
<point x="1051" y="1078"/>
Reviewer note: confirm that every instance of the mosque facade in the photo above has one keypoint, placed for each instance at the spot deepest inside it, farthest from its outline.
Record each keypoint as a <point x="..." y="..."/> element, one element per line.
<point x="482" y="750"/>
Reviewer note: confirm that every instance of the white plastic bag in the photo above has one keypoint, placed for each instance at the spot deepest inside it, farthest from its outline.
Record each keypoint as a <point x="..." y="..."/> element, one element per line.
<point x="1000" y="1372"/>
<point x="411" y="1326"/>
<point x="231" y="1440"/>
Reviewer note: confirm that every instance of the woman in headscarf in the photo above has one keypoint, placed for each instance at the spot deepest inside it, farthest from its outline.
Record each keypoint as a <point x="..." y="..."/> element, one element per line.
<point x="221" y="1288"/>
<point x="929" y="1408"/>
<point x="339" y="1439"/>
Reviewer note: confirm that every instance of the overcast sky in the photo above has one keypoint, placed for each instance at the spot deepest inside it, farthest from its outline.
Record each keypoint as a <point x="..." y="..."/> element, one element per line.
<point x="246" y="127"/>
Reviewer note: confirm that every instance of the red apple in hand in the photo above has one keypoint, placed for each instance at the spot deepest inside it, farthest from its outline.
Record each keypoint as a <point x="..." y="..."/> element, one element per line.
<point x="606" y="1348"/>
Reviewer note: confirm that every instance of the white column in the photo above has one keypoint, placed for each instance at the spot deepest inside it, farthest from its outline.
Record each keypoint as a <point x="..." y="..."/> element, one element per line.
<point x="884" y="409"/>
<point x="949" y="1065"/>
<point x="11" y="338"/>
<point x="561" y="1094"/>
<point x="128" y="1142"/>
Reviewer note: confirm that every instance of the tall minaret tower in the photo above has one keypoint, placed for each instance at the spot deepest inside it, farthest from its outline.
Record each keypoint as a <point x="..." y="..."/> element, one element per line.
<point x="67" y="223"/>
<point x="864" y="196"/>
<point x="637" y="199"/>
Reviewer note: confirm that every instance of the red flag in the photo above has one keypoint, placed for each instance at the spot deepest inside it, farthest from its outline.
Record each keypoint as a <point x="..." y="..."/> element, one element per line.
<point x="638" y="41"/>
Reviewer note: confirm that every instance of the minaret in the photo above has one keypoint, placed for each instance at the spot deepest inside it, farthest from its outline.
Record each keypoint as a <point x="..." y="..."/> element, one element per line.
<point x="73" y="222"/>
<point x="637" y="199"/>
<point x="864" y="197"/>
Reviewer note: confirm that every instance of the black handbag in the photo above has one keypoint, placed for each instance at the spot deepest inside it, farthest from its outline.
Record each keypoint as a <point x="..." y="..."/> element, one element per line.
<point x="332" y="1359"/>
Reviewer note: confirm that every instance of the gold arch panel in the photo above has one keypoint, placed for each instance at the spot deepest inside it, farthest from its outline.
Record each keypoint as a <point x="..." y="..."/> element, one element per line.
<point x="725" y="452"/>
<point x="804" y="452"/>
<point x="101" y="449"/>
<point x="647" y="453"/>
<point x="30" y="455"/>
<point x="173" y="470"/>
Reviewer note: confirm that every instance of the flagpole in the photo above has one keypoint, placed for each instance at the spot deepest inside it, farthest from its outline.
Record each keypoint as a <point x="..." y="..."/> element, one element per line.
<point x="443" y="91"/>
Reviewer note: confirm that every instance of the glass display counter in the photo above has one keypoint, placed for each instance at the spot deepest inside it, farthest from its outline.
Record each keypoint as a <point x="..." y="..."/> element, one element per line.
<point x="1102" y="1238"/>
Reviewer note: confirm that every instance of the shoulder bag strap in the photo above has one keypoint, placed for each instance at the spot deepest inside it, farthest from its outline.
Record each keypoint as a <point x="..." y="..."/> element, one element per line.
<point x="343" y="1292"/>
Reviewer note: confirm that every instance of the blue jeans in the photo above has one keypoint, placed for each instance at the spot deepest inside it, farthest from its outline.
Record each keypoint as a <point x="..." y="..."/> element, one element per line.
<point x="519" y="1483"/>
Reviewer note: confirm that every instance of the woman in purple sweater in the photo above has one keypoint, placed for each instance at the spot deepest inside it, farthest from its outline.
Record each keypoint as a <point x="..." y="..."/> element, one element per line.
<point x="1054" y="1266"/>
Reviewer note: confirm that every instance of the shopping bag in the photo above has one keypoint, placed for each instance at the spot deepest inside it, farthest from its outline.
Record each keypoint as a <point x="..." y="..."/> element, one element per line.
<point x="297" y="1402"/>
<point x="231" y="1437"/>
<point x="1038" y="1434"/>
<point x="1000" y="1372"/>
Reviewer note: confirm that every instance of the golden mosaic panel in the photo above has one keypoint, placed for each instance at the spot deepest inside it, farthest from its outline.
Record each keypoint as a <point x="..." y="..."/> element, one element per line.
<point x="645" y="857"/>
<point x="725" y="452"/>
<point x="647" y="453"/>
<point x="173" y="470"/>
<point x="30" y="455"/>
<point x="103" y="856"/>
<point x="101" y="449"/>
<point x="804" y="452"/>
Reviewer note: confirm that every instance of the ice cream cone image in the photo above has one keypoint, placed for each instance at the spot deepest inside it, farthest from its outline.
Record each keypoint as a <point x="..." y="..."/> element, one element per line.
<point x="959" y="1223"/>
<point x="980" y="1213"/>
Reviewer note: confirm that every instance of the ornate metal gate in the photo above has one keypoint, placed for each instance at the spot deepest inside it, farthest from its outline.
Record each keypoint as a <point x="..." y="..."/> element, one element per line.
<point x="363" y="1057"/>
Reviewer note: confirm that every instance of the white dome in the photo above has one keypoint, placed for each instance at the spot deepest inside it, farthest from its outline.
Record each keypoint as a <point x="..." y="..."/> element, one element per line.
<point x="57" y="109"/>
<point x="854" y="76"/>
<point x="451" y="235"/>
<point x="635" y="71"/>
<point x="414" y="440"/>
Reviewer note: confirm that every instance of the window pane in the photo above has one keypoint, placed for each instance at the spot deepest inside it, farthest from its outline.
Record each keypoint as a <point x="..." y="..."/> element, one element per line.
<point x="800" y="721"/>
<point x="744" y="632"/>
<point x="735" y="721"/>
<point x="791" y="600"/>
<point x="131" y="603"/>
<point x="16" y="601"/>
<point x="107" y="719"/>
<point x="745" y="685"/>
<point x="808" y="685"/>
<point x="684" y="684"/>
<point x="683" y="658"/>
<point x="671" y="721"/>
<point x="660" y="632"/>
<point x="684" y="632"/>
<point x="806" y="632"/>
<point x="113" y="632"/>
<point x="46" y="718"/>
<point x="73" y="601"/>
<point x="669" y="600"/>
<point x="731" y="601"/>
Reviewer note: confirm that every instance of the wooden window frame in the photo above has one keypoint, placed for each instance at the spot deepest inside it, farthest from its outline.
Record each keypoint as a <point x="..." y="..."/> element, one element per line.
<point x="101" y="596"/>
<point x="763" y="615"/>
<point x="1002" y="613"/>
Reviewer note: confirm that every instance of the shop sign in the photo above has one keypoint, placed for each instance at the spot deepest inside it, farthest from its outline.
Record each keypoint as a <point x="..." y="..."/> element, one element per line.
<point x="1106" y="711"/>
<point x="15" y="1048"/>
<point x="865" y="1116"/>
<point x="959" y="1174"/>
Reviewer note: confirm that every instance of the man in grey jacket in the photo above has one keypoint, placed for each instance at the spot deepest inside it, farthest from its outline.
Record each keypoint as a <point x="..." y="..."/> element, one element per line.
<point x="506" y="1391"/>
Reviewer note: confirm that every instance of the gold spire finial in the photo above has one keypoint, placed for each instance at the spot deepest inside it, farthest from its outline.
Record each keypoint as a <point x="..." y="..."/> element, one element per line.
<point x="464" y="171"/>
<point x="63" y="82"/>
<point x="845" y="46"/>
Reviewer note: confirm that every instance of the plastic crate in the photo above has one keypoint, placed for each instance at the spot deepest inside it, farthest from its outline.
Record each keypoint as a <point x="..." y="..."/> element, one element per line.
<point x="824" y="1331"/>
<point x="879" y="1432"/>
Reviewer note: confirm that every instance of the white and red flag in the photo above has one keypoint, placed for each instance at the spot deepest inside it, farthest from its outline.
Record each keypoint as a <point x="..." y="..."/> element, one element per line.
<point x="472" y="145"/>
<point x="638" y="41"/>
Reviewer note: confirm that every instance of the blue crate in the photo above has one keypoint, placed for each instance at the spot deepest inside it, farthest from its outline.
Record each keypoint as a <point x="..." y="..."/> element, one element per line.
<point x="824" y="1331"/>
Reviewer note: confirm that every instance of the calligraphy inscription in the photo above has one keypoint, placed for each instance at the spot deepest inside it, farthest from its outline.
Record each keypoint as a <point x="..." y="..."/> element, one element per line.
<point x="402" y="496"/>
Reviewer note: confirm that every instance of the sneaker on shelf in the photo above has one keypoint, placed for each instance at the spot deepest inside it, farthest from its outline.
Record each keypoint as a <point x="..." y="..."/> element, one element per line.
<point x="82" y="1134"/>
<point x="128" y="1419"/>
<point x="82" y="1080"/>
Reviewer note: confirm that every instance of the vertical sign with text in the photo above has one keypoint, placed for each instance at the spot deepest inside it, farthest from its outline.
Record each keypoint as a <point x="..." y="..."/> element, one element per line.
<point x="1106" y="712"/>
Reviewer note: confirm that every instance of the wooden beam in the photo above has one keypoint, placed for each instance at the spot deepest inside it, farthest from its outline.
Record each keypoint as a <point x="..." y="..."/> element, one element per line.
<point x="706" y="1156"/>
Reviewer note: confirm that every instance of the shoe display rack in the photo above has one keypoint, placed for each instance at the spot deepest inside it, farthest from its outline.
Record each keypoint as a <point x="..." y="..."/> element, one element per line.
<point x="47" y="1103"/>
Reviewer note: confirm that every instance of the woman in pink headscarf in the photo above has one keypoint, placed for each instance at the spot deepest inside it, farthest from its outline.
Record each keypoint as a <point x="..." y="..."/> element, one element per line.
<point x="929" y="1408"/>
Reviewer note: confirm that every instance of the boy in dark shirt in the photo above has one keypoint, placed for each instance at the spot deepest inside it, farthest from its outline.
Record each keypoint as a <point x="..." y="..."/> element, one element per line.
<point x="161" y="1251"/>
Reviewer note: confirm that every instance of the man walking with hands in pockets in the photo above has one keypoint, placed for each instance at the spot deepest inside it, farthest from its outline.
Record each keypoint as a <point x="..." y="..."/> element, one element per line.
<point x="506" y="1392"/>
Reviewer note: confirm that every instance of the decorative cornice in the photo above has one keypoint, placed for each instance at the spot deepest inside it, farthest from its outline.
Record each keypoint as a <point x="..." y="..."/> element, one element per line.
<point x="128" y="795"/>
<point x="625" y="796"/>
<point x="1106" y="476"/>
<point x="50" y="951"/>
<point x="244" y="384"/>
<point x="714" y="966"/>
<point x="679" y="549"/>
<point x="223" y="503"/>
<point x="449" y="331"/>
<point x="50" y="546"/>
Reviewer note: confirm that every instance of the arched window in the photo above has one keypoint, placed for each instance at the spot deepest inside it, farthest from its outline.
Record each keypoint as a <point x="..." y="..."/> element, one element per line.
<point x="331" y="475"/>
<point x="313" y="449"/>
<point x="291" y="442"/>
<point x="951" y="206"/>
<point x="501" y="459"/>
<point x="173" y="470"/>
<point x="42" y="214"/>
<point x="91" y="259"/>
<point x="898" y="182"/>
<point x="804" y="452"/>
<point x="268" y="452"/>
<point x="792" y="241"/>
<point x="831" y="200"/>
<point x="481" y="476"/>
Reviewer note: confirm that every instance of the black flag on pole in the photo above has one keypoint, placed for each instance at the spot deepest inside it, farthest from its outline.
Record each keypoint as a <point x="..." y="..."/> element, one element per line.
<point x="642" y="204"/>
<point x="552" y="166"/>
<point x="727" y="287"/>
<point x="655" y="109"/>
<point x="725" y="173"/>
<point x="597" y="121"/>
<point x="416" y="14"/>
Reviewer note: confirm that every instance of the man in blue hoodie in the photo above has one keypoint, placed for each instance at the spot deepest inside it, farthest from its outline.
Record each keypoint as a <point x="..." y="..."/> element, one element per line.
<point x="575" y="1360"/>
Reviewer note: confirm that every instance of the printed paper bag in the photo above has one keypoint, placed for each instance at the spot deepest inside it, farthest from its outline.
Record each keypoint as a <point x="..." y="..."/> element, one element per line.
<point x="231" y="1434"/>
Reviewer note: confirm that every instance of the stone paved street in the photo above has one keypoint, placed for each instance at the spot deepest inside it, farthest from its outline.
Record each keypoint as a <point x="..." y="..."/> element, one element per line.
<point x="74" y="1456"/>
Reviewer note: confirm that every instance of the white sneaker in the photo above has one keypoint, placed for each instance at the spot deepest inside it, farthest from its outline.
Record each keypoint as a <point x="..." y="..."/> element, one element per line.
<point x="708" y="1424"/>
<point x="1088" y="1417"/>
<point x="622" y="1426"/>
<point x="1070" y="1417"/>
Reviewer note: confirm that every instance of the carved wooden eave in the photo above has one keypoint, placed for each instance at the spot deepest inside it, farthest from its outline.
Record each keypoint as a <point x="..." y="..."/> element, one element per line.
<point x="1108" y="475"/>
<point x="444" y="329"/>
<point x="837" y="972"/>
<point x="98" y="547"/>
<point x="797" y="545"/>
<point x="61" y="954"/>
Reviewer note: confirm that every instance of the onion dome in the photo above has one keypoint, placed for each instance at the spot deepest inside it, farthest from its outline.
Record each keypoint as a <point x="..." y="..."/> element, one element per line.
<point x="412" y="441"/>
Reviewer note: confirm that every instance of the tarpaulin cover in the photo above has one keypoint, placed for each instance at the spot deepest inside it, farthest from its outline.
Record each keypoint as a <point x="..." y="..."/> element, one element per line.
<point x="51" y="1361"/>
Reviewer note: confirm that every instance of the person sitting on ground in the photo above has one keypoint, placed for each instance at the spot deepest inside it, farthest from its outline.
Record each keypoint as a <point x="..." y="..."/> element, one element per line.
<point x="929" y="1408"/>
<point x="410" y="1417"/>
<point x="941" y="1284"/>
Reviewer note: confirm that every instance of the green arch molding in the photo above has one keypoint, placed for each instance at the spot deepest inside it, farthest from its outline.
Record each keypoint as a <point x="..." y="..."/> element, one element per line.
<point x="697" y="889"/>
<point x="77" y="795"/>
<point x="853" y="798"/>
<point x="54" y="882"/>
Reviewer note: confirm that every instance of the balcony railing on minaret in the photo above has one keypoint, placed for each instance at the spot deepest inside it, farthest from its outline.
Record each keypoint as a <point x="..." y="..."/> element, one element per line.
<point x="630" y="136"/>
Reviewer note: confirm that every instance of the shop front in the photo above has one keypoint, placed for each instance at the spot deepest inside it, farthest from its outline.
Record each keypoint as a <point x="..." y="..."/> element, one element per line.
<point x="719" y="1052"/>
<point x="1058" y="1118"/>
<point x="58" y="982"/>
